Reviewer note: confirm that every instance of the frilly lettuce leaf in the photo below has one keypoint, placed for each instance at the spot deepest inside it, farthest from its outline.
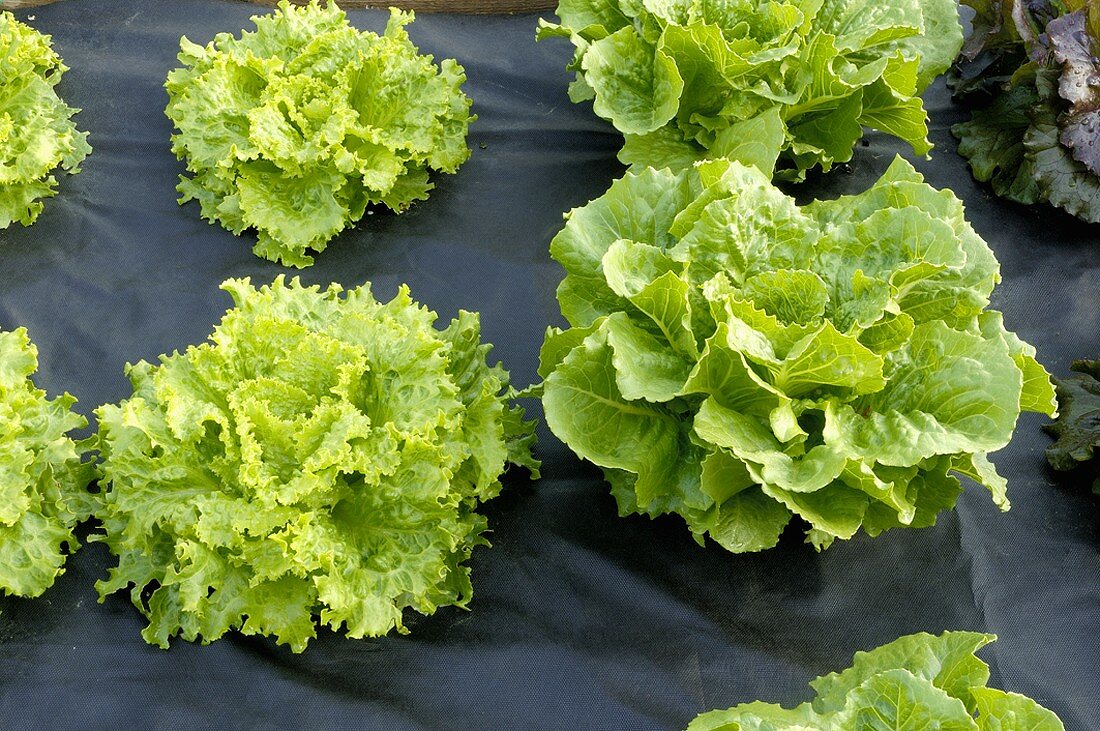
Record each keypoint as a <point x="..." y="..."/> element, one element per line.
<point x="685" y="79"/>
<point x="914" y="683"/>
<point x="43" y="477"/>
<point x="37" y="135"/>
<point x="738" y="360"/>
<point x="322" y="456"/>
<point x="294" y="129"/>
<point x="1077" y="430"/>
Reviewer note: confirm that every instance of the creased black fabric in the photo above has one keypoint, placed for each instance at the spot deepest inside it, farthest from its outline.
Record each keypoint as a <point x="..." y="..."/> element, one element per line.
<point x="581" y="619"/>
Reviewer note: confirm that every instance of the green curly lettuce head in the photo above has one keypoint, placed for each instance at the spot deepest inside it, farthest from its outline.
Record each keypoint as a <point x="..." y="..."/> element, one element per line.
<point x="738" y="360"/>
<point x="691" y="79"/>
<point x="916" y="682"/>
<point x="43" y="478"/>
<point x="322" y="455"/>
<point x="294" y="129"/>
<point x="37" y="135"/>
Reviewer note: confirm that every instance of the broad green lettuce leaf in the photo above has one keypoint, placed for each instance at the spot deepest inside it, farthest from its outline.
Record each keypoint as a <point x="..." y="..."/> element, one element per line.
<point x="915" y="683"/>
<point x="602" y="426"/>
<point x="755" y="141"/>
<point x="783" y="85"/>
<point x="37" y="134"/>
<point x="726" y="375"/>
<point x="742" y="361"/>
<point x="940" y="42"/>
<point x="1038" y="392"/>
<point x="748" y="521"/>
<point x="930" y="488"/>
<point x="637" y="208"/>
<point x="752" y="441"/>
<point x="603" y="14"/>
<point x="830" y="361"/>
<point x="644" y="366"/>
<point x="948" y="392"/>
<point x="1001" y="711"/>
<point x="896" y="700"/>
<point x="646" y="277"/>
<point x="757" y="716"/>
<point x="901" y="116"/>
<point x="296" y="129"/>
<point x="947" y="662"/>
<point x="43" y="475"/>
<point x="644" y="82"/>
<point x="322" y="458"/>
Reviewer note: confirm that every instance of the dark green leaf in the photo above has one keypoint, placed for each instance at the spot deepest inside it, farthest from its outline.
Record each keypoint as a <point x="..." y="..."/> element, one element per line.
<point x="1078" y="426"/>
<point x="993" y="143"/>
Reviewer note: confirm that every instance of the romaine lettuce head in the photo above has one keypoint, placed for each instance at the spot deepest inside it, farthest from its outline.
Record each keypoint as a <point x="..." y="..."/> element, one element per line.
<point x="320" y="455"/>
<point x="916" y="682"/>
<point x="37" y="135"/>
<point x="294" y="129"/>
<point x="43" y="478"/>
<point x="737" y="359"/>
<point x="692" y="79"/>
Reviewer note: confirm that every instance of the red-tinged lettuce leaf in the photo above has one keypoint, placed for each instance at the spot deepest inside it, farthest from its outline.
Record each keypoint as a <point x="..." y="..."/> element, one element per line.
<point x="1005" y="25"/>
<point x="1036" y="132"/>
<point x="1081" y="134"/>
<point x="995" y="51"/>
<point x="992" y="27"/>
<point x="1063" y="181"/>
<point x="1073" y="48"/>
<point x="1030" y="18"/>
<point x="1079" y="85"/>
<point x="1078" y="426"/>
